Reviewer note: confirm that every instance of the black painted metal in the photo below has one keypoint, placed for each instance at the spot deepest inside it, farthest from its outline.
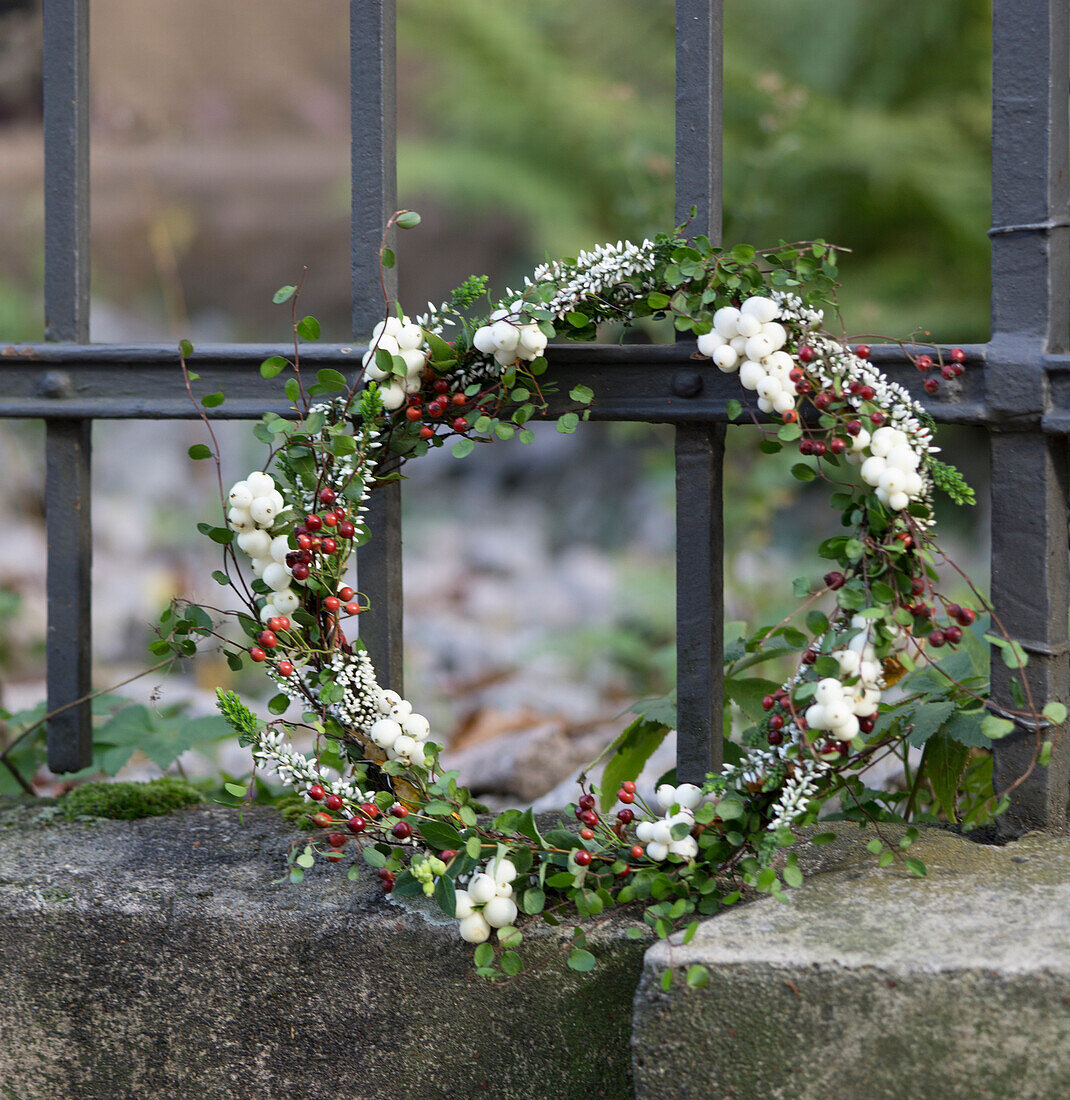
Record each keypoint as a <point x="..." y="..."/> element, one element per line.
<point x="1030" y="319"/>
<point x="1018" y="385"/>
<point x="699" y="447"/>
<point x="67" y="443"/>
<point x="373" y="122"/>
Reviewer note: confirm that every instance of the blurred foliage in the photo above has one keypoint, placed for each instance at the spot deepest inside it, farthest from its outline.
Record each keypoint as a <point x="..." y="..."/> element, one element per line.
<point x="864" y="123"/>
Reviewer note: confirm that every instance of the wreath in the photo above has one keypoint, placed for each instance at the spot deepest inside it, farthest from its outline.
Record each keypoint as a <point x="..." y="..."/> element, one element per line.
<point x="373" y="786"/>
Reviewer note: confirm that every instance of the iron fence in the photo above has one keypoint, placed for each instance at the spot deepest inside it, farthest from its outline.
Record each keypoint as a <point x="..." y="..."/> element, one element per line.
<point x="1018" y="388"/>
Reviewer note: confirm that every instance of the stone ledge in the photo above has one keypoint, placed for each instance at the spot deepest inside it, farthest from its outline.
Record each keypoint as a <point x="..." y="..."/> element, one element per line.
<point x="156" y="958"/>
<point x="874" y="984"/>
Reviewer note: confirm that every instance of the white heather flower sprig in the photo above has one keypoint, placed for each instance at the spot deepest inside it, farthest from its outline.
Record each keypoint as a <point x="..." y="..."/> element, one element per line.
<point x="597" y="275"/>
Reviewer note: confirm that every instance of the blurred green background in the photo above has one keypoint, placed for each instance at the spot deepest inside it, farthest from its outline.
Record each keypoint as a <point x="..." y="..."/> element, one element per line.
<point x="220" y="167"/>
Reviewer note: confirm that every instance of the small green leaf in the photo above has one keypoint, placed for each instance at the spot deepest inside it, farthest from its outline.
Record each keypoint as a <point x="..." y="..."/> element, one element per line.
<point x="200" y="450"/>
<point x="1044" y="759"/>
<point x="484" y="954"/>
<point x="823" y="838"/>
<point x="220" y="577"/>
<point x="283" y="294"/>
<point x="581" y="960"/>
<point x="698" y="977"/>
<point x="269" y="368"/>
<point x="237" y="790"/>
<point x="876" y="846"/>
<point x="578" y="320"/>
<point x="511" y="963"/>
<point x="995" y="728"/>
<point x="407" y="219"/>
<point x="568" y="423"/>
<point x="212" y="400"/>
<point x="582" y="394"/>
<point x="666" y="980"/>
<point x="463" y="446"/>
<point x="186" y="348"/>
<point x="1055" y="713"/>
<point x="306" y="859"/>
<point x="308" y="328"/>
<point x="916" y="867"/>
<point x="388" y="258"/>
<point x="733" y="408"/>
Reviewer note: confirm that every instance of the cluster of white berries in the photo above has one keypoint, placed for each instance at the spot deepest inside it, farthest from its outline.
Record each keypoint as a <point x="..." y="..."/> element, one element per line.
<point x="750" y="340"/>
<point x="487" y="902"/>
<point x="840" y="701"/>
<point x="255" y="505"/>
<point x="508" y="337"/>
<point x="400" y="733"/>
<point x="892" y="468"/>
<point x="401" y="337"/>
<point x="657" y="835"/>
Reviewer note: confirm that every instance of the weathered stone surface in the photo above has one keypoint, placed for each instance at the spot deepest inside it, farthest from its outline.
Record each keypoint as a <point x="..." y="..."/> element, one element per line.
<point x="156" y="958"/>
<point x="875" y="984"/>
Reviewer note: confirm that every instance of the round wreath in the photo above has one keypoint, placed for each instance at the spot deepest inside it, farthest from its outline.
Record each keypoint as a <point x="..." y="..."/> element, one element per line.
<point x="374" y="782"/>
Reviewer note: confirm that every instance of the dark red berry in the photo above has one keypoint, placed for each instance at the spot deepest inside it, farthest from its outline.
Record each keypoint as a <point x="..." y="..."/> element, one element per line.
<point x="868" y="724"/>
<point x="863" y="351"/>
<point x="301" y="572"/>
<point x="587" y="834"/>
<point x="937" y="638"/>
<point x="369" y="809"/>
<point x="626" y="815"/>
<point x="322" y="821"/>
<point x="636" y="851"/>
<point x="337" y="840"/>
<point x="435" y="409"/>
<point x="626" y="797"/>
<point x="460" y="424"/>
<point x="953" y="634"/>
<point x="278" y="623"/>
<point x="809" y="657"/>
<point x="356" y="824"/>
<point x="332" y="603"/>
<point x="835" y="580"/>
<point x="346" y="529"/>
<point x="329" y="546"/>
<point x="768" y="702"/>
<point x="854" y="427"/>
<point x="628" y="786"/>
<point x="876" y="418"/>
<point x="947" y="371"/>
<point x="285" y="668"/>
<point x="967" y="616"/>
<point x="806" y="447"/>
<point x="327" y="495"/>
<point x="333" y="802"/>
<point x="426" y="432"/>
<point x="304" y="541"/>
<point x="257" y="654"/>
<point x="441" y="385"/>
<point x="957" y="369"/>
<point x="447" y="854"/>
<point x="954" y="610"/>
<point x="586" y="802"/>
<point x="931" y="385"/>
<point x="345" y="594"/>
<point x="957" y="355"/>
<point x="583" y="858"/>
<point x="316" y="792"/>
<point x="267" y="639"/>
<point x="806" y="353"/>
<point x="867" y="393"/>
<point x="413" y="413"/>
<point x="819" y="447"/>
<point x="776" y="722"/>
<point x="822" y="401"/>
<point x="796" y="374"/>
<point x="330" y="519"/>
<point x="837" y="446"/>
<point x="352" y="608"/>
<point x="774" y="737"/>
<point x="402" y="830"/>
<point x="924" y="363"/>
<point x="803" y="387"/>
<point x="397" y="810"/>
<point x="589" y="818"/>
<point x="917" y="586"/>
<point x="313" y="523"/>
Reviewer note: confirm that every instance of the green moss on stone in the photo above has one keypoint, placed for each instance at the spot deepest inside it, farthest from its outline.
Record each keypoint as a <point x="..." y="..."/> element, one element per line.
<point x="296" y="809"/>
<point x="127" y="801"/>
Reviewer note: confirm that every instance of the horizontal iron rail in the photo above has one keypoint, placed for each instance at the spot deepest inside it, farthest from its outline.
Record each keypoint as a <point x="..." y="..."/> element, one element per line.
<point x="636" y="382"/>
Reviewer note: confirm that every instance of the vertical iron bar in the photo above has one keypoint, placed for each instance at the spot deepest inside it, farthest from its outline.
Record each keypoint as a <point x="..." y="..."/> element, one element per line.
<point x="67" y="442"/>
<point x="699" y="447"/>
<point x="1030" y="315"/>
<point x="373" y="121"/>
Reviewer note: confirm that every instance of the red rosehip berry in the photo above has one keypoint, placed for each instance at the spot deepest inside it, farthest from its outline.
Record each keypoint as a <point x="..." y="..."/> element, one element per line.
<point x="625" y="796"/>
<point x="441" y="385"/>
<point x="917" y="586"/>
<point x="402" y="830"/>
<point x="435" y="409"/>
<point x="796" y="374"/>
<point x="954" y="610"/>
<point x="837" y="446"/>
<point x="304" y="541"/>
<point x="583" y="858"/>
<point x="330" y="519"/>
<point x="279" y="623"/>
<point x="806" y="447"/>
<point x="313" y="523"/>
<point x="345" y="594"/>
<point x="863" y="351"/>
<point x="301" y="572"/>
<point x="636" y="851"/>
<point x="346" y="529"/>
<point x="628" y="786"/>
<point x="333" y="802"/>
<point x="413" y="413"/>
<point x="332" y="603"/>
<point x="587" y="834"/>
<point x="337" y="840"/>
<point x="924" y="363"/>
<point x="822" y="400"/>
<point x="806" y="353"/>
<point x="586" y="802"/>
<point x="867" y="393"/>
<point x="447" y="854"/>
<point x="947" y="371"/>
<point x="854" y="427"/>
<point x="809" y="657"/>
<point x="257" y="654"/>
<point x="819" y="448"/>
<point x="353" y="608"/>
<point x="957" y="355"/>
<point x="316" y="792"/>
<point x="876" y="418"/>
<point x="803" y="387"/>
<point x="397" y="810"/>
<point x="285" y="668"/>
<point x="329" y="546"/>
<point x="327" y="495"/>
<point x="267" y="639"/>
<point x="931" y="385"/>
<point x="356" y="824"/>
<point x="967" y="616"/>
<point x="868" y="724"/>
<point x="835" y="580"/>
<point x="460" y="424"/>
<point x="776" y="722"/>
<point x="322" y="821"/>
<point x="937" y="638"/>
<point x="774" y="737"/>
<point x="953" y="634"/>
<point x="589" y="818"/>
<point x="626" y="816"/>
<point x="369" y="809"/>
<point x="426" y="432"/>
<point x="768" y="702"/>
<point x="789" y="417"/>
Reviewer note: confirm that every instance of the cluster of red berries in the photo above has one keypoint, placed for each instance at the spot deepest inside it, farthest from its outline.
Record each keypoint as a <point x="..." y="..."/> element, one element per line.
<point x="952" y="634"/>
<point x="268" y="640"/>
<point x="436" y="409"/>
<point x="952" y="369"/>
